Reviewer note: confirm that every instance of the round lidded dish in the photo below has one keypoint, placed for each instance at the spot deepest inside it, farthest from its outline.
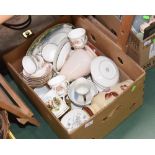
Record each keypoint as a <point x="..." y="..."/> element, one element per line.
<point x="104" y="71"/>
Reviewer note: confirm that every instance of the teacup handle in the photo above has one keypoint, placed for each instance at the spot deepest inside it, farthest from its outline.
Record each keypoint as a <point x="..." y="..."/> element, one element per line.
<point x="84" y="39"/>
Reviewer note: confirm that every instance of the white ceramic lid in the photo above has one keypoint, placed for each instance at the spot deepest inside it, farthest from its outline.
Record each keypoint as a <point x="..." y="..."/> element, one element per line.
<point x="48" y="52"/>
<point x="74" y="119"/>
<point x="29" y="65"/>
<point x="104" y="71"/>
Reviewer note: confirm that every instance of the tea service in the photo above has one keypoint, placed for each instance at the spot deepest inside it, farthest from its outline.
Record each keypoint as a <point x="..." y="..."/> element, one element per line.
<point x="66" y="67"/>
<point x="82" y="91"/>
<point x="59" y="84"/>
<point x="74" y="119"/>
<point x="78" y="38"/>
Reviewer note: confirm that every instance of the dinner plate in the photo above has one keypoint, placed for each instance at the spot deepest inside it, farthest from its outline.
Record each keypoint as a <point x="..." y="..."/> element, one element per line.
<point x="104" y="71"/>
<point x="74" y="119"/>
<point x="62" y="54"/>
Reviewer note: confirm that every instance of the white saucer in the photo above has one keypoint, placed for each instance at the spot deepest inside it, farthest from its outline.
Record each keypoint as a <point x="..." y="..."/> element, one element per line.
<point x="42" y="71"/>
<point x="74" y="119"/>
<point x="29" y="65"/>
<point x="104" y="71"/>
<point x="78" y="99"/>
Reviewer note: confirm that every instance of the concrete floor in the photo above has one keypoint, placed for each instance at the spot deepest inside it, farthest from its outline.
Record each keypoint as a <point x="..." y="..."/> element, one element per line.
<point x="140" y="124"/>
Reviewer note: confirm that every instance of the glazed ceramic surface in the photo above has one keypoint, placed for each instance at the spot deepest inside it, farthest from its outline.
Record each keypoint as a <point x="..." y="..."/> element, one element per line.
<point x="29" y="64"/>
<point x="74" y="119"/>
<point x="104" y="71"/>
<point x="55" y="104"/>
<point x="78" y="64"/>
<point x="77" y="98"/>
<point x="59" y="85"/>
<point x="78" y="37"/>
<point x="62" y="54"/>
<point x="53" y="35"/>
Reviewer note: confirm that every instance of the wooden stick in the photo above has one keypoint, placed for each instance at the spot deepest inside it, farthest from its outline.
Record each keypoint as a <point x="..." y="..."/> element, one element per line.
<point x="15" y="97"/>
<point x="17" y="112"/>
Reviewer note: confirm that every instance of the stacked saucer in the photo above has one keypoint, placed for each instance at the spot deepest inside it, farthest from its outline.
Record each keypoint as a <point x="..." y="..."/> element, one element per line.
<point x="40" y="77"/>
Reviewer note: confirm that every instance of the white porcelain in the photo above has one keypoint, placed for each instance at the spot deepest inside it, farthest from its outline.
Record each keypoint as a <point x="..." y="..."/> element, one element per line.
<point x="58" y="37"/>
<point x="104" y="71"/>
<point x="77" y="65"/>
<point x="78" y="37"/>
<point x="58" y="109"/>
<point x="53" y="35"/>
<point x="49" y="51"/>
<point x="59" y="85"/>
<point x="74" y="119"/>
<point x="29" y="65"/>
<point x="92" y="51"/>
<point x="25" y="73"/>
<point x="42" y="71"/>
<point x="73" y="106"/>
<point x="101" y="88"/>
<point x="78" y="97"/>
<point x="41" y="91"/>
<point x="62" y="54"/>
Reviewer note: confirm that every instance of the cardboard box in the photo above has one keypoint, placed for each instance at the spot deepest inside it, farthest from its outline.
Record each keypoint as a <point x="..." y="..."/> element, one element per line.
<point x="117" y="27"/>
<point x="141" y="51"/>
<point x="97" y="126"/>
<point x="119" y="30"/>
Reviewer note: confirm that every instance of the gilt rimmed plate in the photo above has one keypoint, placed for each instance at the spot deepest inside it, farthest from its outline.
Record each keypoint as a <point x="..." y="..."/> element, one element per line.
<point x="51" y="35"/>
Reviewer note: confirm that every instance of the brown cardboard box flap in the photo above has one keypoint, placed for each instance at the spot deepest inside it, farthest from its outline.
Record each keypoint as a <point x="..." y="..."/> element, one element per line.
<point x="119" y="26"/>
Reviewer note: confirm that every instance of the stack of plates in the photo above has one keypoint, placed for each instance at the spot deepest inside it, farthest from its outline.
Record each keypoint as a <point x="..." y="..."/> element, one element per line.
<point x="40" y="77"/>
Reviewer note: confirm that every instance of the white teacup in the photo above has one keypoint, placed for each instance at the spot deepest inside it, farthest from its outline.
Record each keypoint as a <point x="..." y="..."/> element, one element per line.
<point x="59" y="85"/>
<point x="29" y="64"/>
<point x="78" y="38"/>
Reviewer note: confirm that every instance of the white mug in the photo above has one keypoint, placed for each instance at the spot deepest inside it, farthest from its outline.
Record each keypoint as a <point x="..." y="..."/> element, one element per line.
<point x="59" y="84"/>
<point x="78" y="38"/>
